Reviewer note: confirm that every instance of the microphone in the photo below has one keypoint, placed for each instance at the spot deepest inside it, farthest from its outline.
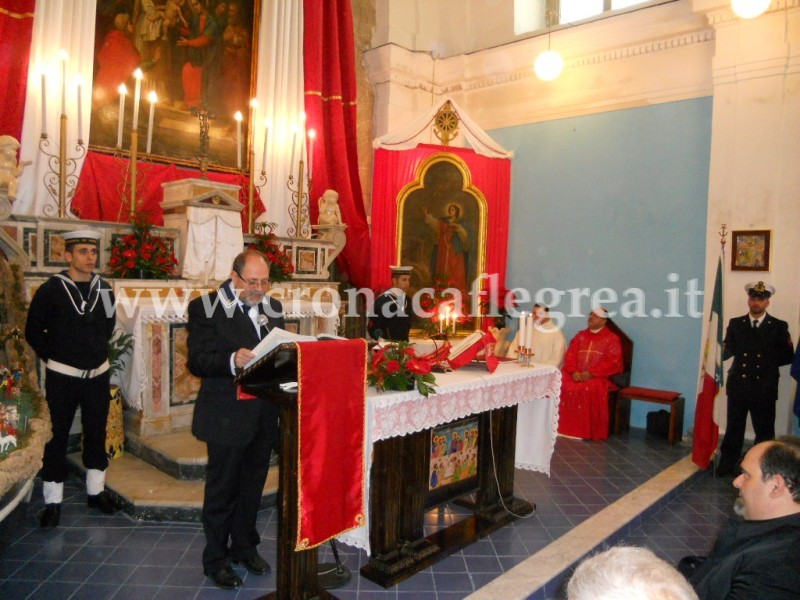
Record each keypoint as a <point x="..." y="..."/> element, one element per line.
<point x="261" y="320"/>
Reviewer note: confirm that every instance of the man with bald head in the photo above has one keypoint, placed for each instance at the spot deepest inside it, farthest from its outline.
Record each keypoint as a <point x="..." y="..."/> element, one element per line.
<point x="239" y="430"/>
<point x="757" y="556"/>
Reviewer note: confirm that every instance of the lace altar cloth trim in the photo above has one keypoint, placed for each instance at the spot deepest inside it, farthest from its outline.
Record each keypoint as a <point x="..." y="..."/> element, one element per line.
<point x="460" y="394"/>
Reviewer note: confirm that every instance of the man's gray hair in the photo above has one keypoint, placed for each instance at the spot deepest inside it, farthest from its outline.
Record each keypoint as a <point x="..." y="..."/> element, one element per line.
<point x="628" y="573"/>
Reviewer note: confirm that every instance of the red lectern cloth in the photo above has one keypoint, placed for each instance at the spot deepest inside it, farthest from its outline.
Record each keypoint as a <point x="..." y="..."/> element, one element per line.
<point x="331" y="414"/>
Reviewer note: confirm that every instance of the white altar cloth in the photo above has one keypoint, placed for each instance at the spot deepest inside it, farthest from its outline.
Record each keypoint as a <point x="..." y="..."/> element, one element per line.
<point x="462" y="393"/>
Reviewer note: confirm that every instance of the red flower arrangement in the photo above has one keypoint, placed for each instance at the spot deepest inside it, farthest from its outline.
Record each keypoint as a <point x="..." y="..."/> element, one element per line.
<point x="397" y="367"/>
<point x="280" y="265"/>
<point x="142" y="251"/>
<point x="438" y="303"/>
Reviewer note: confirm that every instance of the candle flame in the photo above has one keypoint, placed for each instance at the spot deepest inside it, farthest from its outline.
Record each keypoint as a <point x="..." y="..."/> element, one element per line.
<point x="62" y="54"/>
<point x="312" y="134"/>
<point x="138" y="74"/>
<point x="122" y="89"/>
<point x="253" y="102"/>
<point x="153" y="97"/>
<point x="238" y="115"/>
<point x="303" y="116"/>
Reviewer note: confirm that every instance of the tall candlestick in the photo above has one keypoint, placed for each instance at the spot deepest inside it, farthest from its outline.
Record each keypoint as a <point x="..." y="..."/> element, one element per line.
<point x="294" y="143"/>
<point x="80" y="112"/>
<point x="523" y="322"/>
<point x="238" y="117"/>
<point x="63" y="55"/>
<point x="153" y="99"/>
<point x="266" y="140"/>
<point x="44" y="106"/>
<point x="137" y="74"/>
<point x="311" y="135"/>
<point x="122" y="93"/>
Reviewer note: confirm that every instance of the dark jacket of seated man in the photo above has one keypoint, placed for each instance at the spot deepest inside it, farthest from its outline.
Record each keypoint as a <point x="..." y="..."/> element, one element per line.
<point x="758" y="557"/>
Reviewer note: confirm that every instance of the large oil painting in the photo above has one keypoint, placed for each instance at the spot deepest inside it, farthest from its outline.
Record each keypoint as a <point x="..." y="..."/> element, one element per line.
<point x="196" y="55"/>
<point x="442" y="226"/>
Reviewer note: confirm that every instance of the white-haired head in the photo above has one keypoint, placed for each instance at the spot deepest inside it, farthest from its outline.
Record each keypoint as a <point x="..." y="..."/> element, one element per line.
<point x="628" y="573"/>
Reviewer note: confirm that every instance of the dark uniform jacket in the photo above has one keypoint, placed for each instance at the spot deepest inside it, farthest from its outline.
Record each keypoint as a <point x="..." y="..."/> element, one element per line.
<point x="754" y="560"/>
<point x="219" y="417"/>
<point x="392" y="320"/>
<point x="71" y="329"/>
<point x="757" y="354"/>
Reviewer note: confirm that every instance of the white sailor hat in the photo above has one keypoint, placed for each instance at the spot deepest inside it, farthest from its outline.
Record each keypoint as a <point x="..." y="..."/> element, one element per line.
<point x="601" y="312"/>
<point x="398" y="270"/>
<point x="82" y="236"/>
<point x="759" y="289"/>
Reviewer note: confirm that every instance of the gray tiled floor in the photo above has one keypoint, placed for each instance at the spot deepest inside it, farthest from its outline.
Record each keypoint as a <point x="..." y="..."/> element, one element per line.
<point x="99" y="557"/>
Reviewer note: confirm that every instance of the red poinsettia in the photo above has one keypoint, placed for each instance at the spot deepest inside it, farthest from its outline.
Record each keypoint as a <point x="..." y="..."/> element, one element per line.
<point x="280" y="265"/>
<point x="142" y="251"/>
<point x="397" y="367"/>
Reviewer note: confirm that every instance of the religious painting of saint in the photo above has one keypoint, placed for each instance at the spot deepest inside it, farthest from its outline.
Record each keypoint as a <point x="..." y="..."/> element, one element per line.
<point x="442" y="226"/>
<point x="195" y="55"/>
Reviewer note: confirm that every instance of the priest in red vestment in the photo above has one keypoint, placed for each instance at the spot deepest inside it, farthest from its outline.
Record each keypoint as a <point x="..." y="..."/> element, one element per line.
<point x="594" y="355"/>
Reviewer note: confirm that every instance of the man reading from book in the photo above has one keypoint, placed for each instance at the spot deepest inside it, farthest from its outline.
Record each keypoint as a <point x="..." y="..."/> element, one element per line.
<point x="239" y="430"/>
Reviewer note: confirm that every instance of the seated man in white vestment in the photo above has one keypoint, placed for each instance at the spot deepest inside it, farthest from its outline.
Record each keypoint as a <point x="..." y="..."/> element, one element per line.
<point x="549" y="344"/>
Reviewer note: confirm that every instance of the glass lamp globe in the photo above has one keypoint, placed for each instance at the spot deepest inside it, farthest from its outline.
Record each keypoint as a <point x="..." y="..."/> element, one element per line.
<point x="548" y="65"/>
<point x="749" y="9"/>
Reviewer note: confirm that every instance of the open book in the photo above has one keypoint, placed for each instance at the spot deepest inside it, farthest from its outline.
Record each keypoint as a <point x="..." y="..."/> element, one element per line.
<point x="469" y="348"/>
<point x="277" y="337"/>
<point x="462" y="346"/>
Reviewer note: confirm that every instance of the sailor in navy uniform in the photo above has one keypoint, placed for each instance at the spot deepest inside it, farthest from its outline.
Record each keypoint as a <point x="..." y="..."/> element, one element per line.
<point x="70" y="322"/>
<point x="391" y="313"/>
<point x="759" y="344"/>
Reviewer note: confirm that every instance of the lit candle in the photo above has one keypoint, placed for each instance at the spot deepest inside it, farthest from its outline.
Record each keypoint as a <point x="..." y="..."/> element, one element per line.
<point x="294" y="143"/>
<point x="441" y="316"/>
<point x="455" y="315"/>
<point x="44" y="106"/>
<point x="238" y="117"/>
<point x="137" y="74"/>
<point x="153" y="99"/>
<point x="80" y="112"/>
<point x="311" y="135"/>
<point x="529" y="331"/>
<point x="522" y="326"/>
<point x="122" y="93"/>
<point x="266" y="140"/>
<point x="63" y="55"/>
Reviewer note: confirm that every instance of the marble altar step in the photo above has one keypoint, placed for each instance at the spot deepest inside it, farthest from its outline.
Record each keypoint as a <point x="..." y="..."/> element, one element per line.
<point x="178" y="454"/>
<point x="148" y="493"/>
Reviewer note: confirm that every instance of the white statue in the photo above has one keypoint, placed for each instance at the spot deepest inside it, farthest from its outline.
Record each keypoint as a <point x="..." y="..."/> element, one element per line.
<point x="329" y="213"/>
<point x="9" y="168"/>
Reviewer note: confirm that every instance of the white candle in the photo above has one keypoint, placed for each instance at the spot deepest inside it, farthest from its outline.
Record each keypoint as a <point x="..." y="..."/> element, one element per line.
<point x="523" y="322"/>
<point x="455" y="314"/>
<point x="63" y="55"/>
<point x="238" y="117"/>
<point x="529" y="332"/>
<point x="294" y="143"/>
<point x="311" y="135"/>
<point x="137" y="74"/>
<point x="441" y="317"/>
<point x="266" y="140"/>
<point x="44" y="106"/>
<point x="122" y="92"/>
<point x="153" y="99"/>
<point x="80" y="112"/>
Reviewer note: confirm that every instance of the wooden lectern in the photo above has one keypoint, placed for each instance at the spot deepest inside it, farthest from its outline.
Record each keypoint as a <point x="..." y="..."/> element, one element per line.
<point x="296" y="572"/>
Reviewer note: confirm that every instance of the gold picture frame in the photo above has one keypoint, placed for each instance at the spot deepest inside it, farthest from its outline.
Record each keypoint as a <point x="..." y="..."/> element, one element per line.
<point x="750" y="250"/>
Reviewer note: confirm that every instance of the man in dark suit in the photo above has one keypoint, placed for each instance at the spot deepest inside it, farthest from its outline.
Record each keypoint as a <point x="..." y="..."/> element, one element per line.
<point x="759" y="344"/>
<point x="238" y="429"/>
<point x="391" y="318"/>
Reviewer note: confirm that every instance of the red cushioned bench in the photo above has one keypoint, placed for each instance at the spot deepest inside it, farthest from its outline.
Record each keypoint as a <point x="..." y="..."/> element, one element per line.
<point x="674" y="400"/>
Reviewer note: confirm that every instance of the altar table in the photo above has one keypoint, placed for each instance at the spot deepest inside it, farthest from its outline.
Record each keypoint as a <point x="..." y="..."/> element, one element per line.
<point x="467" y="391"/>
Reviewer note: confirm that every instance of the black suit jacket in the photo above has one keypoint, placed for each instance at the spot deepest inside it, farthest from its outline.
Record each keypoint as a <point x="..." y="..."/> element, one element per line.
<point x="218" y="327"/>
<point x="757" y="354"/>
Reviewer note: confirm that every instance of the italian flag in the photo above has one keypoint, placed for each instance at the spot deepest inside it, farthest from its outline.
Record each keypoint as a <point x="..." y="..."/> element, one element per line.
<point x="706" y="431"/>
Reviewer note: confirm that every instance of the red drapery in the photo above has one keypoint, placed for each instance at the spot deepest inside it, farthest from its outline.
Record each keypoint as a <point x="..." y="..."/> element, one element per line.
<point x="97" y="196"/>
<point x="330" y="103"/>
<point x="16" y="30"/>
<point x="394" y="169"/>
<point x="331" y="414"/>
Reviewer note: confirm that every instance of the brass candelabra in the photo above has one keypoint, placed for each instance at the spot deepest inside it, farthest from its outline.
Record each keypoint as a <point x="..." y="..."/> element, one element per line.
<point x="61" y="179"/>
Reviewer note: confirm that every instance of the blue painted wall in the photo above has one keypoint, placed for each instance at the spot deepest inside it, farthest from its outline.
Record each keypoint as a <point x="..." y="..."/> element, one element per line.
<point x="618" y="200"/>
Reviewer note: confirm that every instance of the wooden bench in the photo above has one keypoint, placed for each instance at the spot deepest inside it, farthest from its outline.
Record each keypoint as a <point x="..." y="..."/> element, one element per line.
<point x="674" y="400"/>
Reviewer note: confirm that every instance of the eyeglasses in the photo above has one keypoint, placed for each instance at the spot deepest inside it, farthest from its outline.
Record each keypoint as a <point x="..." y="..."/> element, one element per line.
<point x="254" y="282"/>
